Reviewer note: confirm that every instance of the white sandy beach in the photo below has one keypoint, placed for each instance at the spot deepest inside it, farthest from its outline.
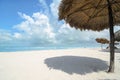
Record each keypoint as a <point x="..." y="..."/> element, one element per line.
<point x="70" y="64"/>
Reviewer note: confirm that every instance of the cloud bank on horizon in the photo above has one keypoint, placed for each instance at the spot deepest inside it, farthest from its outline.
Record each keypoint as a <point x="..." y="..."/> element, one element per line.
<point x="43" y="28"/>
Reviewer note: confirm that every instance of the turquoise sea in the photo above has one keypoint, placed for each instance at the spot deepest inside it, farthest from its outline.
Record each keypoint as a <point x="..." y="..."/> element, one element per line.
<point x="14" y="48"/>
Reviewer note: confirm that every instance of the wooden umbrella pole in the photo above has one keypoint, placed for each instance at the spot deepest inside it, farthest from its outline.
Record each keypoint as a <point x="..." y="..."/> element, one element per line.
<point x="111" y="67"/>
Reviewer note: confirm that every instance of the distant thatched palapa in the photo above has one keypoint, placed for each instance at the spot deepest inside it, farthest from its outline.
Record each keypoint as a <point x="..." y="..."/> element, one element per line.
<point x="92" y="15"/>
<point x="102" y="41"/>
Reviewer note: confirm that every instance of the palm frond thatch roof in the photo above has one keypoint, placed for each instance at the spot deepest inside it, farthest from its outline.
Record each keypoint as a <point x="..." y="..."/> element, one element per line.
<point x="89" y="14"/>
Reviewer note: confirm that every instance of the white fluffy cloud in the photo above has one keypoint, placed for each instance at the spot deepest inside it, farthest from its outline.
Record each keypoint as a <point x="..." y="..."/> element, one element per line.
<point x="17" y="35"/>
<point x="45" y="7"/>
<point x="5" y="35"/>
<point x="54" y="7"/>
<point x="68" y="34"/>
<point x="35" y="27"/>
<point x="38" y="29"/>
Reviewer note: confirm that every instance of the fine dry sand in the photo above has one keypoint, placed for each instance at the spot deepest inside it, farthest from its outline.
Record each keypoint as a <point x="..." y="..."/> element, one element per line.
<point x="69" y="64"/>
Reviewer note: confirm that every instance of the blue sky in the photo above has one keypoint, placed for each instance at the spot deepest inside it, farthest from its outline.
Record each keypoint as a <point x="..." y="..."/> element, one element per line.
<point x="35" y="22"/>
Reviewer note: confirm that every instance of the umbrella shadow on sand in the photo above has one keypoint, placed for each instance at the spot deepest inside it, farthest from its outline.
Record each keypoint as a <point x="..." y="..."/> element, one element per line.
<point x="75" y="64"/>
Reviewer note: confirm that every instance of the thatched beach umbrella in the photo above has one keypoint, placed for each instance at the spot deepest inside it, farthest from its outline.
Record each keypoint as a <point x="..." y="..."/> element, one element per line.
<point x="117" y="36"/>
<point x="92" y="15"/>
<point x="102" y="41"/>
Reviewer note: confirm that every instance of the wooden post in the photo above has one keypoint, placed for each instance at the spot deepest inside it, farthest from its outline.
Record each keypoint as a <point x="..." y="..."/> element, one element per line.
<point x="111" y="67"/>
